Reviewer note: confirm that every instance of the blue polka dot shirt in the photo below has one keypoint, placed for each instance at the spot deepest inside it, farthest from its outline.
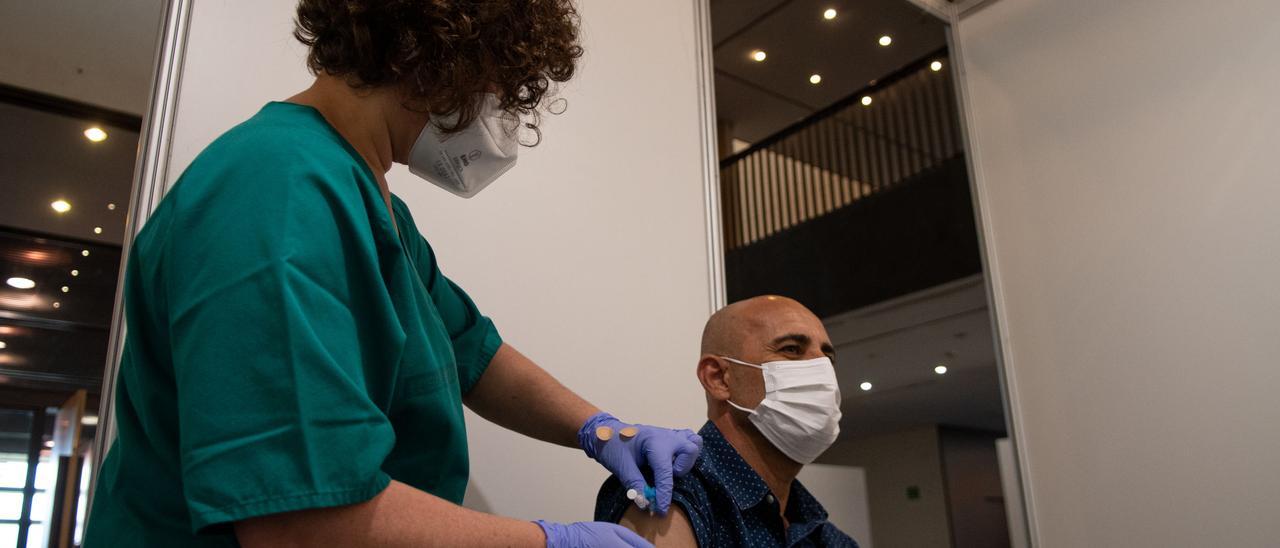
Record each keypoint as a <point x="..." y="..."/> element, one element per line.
<point x="729" y="504"/>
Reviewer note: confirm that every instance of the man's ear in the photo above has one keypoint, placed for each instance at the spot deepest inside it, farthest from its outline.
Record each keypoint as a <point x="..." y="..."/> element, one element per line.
<point x="711" y="373"/>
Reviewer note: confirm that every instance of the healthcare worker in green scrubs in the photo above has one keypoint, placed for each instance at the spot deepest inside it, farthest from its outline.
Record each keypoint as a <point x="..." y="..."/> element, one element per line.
<point x="296" y="362"/>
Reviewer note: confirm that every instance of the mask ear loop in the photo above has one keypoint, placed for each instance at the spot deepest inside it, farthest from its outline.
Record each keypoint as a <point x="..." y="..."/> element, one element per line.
<point x="740" y="362"/>
<point x="740" y="408"/>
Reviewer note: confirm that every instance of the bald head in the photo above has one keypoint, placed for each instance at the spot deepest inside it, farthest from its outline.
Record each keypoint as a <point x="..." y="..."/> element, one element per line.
<point x="733" y="329"/>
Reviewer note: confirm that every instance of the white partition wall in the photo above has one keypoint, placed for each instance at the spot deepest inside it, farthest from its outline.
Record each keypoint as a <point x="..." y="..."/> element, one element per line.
<point x="590" y="255"/>
<point x="1127" y="173"/>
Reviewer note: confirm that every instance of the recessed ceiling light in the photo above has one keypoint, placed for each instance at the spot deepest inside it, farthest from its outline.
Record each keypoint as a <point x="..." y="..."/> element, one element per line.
<point x="61" y="206"/>
<point x="3" y="345"/>
<point x="66" y="289"/>
<point x="95" y="134"/>
<point x="75" y="272"/>
<point x="935" y="66"/>
<point x="829" y="14"/>
<point x="57" y="304"/>
<point x="886" y="40"/>
<point x="815" y="78"/>
<point x="85" y="252"/>
<point x="112" y="207"/>
<point x="89" y="420"/>
<point x="758" y="55"/>
<point x="941" y="370"/>
<point x="866" y="100"/>
<point x="865" y="386"/>
<point x="97" y="230"/>
<point x="20" y="283"/>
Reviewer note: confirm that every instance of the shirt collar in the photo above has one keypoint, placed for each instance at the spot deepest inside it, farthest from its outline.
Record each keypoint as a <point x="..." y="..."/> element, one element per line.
<point x="802" y="507"/>
<point x="745" y="486"/>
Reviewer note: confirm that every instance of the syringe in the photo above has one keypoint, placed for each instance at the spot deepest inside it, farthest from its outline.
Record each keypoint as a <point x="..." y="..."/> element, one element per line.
<point x="648" y="501"/>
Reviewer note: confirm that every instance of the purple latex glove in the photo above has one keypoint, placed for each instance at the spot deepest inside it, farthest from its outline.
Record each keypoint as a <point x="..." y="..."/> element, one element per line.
<point x="668" y="453"/>
<point x="590" y="534"/>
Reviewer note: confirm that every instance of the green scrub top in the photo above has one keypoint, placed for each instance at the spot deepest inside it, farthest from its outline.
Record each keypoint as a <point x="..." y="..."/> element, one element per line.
<point x="287" y="348"/>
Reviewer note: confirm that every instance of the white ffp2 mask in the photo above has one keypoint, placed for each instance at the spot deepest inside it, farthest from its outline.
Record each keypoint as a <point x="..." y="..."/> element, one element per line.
<point x="467" y="161"/>
<point x="800" y="413"/>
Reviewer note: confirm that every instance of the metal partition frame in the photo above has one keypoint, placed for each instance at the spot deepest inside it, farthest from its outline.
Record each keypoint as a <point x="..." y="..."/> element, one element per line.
<point x="990" y="269"/>
<point x="707" y="141"/>
<point x="954" y="14"/>
<point x="149" y="184"/>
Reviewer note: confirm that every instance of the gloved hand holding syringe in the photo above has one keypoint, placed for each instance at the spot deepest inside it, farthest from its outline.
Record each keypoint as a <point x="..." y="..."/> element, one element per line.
<point x="625" y="448"/>
<point x="646" y="499"/>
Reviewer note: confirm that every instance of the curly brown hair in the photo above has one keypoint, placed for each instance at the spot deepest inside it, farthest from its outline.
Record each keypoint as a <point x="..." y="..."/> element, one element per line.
<point x="445" y="54"/>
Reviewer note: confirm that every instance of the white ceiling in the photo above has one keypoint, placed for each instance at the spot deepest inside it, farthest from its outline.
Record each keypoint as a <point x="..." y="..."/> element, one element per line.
<point x="91" y="51"/>
<point x="896" y="344"/>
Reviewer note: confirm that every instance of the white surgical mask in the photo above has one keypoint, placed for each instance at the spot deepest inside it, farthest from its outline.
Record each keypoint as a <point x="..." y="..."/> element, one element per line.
<point x="467" y="161"/>
<point x="800" y="413"/>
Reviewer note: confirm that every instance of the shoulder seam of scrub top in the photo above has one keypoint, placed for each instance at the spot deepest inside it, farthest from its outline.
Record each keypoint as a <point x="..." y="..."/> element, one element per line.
<point x="330" y="131"/>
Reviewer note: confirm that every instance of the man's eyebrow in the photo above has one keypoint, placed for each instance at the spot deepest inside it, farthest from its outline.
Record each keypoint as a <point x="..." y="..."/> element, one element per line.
<point x="828" y="349"/>
<point x="798" y="338"/>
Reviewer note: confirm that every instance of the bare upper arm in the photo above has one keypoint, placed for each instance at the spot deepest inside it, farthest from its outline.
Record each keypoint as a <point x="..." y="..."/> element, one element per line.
<point x="672" y="530"/>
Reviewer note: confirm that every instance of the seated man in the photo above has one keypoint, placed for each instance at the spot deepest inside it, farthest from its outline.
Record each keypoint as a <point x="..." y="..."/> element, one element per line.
<point x="773" y="406"/>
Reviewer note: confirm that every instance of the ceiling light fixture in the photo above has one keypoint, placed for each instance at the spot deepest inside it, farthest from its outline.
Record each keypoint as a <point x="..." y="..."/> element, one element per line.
<point x="89" y="420"/>
<point x="935" y="66"/>
<point x="61" y="206"/>
<point x="758" y="55"/>
<point x="865" y="386"/>
<point x="20" y="283"/>
<point x="941" y="370"/>
<point x="829" y="14"/>
<point x="22" y="301"/>
<point x="85" y="253"/>
<point x="57" y="304"/>
<point x="3" y="345"/>
<point x="66" y="289"/>
<point x="97" y="230"/>
<point x="886" y="40"/>
<point x="39" y="257"/>
<point x="815" y="78"/>
<point x="866" y="100"/>
<point x="95" y="134"/>
<point x="111" y="206"/>
<point x="75" y="273"/>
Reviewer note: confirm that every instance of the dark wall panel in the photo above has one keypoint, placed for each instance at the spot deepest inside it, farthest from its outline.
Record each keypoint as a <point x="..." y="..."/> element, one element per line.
<point x="916" y="235"/>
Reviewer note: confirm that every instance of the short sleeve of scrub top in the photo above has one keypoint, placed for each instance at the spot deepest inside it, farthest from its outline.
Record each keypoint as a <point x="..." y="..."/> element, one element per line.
<point x="278" y="326"/>
<point x="287" y="348"/>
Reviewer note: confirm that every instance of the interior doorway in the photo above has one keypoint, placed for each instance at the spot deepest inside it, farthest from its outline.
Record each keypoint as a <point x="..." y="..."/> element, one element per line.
<point x="844" y="184"/>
